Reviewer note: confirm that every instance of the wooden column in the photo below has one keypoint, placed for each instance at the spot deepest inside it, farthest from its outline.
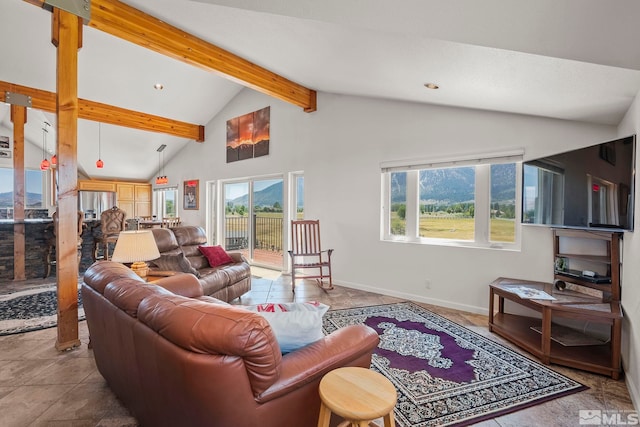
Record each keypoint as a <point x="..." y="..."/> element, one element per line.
<point x="19" y="118"/>
<point x="67" y="37"/>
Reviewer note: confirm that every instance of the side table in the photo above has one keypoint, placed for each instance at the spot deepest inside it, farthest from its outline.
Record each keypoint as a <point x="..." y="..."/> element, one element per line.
<point x="536" y="334"/>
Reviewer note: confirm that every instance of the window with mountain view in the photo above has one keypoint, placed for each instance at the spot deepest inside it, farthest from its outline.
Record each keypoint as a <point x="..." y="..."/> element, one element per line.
<point x="467" y="204"/>
<point x="447" y="203"/>
<point x="254" y="219"/>
<point x="398" y="222"/>
<point x="33" y="195"/>
<point x="503" y="203"/>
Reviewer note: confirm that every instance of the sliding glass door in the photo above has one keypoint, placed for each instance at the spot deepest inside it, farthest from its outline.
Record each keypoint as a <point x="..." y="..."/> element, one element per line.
<point x="253" y="221"/>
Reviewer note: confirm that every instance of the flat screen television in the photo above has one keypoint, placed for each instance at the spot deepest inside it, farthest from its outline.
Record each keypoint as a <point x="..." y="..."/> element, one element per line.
<point x="591" y="187"/>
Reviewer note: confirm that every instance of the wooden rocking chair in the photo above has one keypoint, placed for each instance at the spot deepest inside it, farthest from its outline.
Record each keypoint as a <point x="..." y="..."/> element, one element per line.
<point x="306" y="252"/>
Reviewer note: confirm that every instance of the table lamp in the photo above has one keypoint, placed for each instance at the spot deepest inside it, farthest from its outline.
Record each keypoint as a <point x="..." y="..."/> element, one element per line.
<point x="136" y="247"/>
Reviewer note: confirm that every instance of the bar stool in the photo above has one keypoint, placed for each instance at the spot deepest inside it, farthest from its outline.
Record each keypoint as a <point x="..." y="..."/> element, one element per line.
<point x="112" y="222"/>
<point x="358" y="395"/>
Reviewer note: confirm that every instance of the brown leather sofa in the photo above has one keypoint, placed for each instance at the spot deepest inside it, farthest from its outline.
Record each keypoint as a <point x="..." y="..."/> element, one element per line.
<point x="177" y="358"/>
<point x="226" y="282"/>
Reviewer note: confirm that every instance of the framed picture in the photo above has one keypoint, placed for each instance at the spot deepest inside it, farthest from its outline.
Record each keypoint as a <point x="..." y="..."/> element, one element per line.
<point x="248" y="136"/>
<point x="5" y="154"/>
<point x="4" y="143"/>
<point x="191" y="194"/>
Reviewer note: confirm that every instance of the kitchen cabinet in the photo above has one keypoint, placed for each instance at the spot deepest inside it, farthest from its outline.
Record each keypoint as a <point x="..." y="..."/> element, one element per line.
<point x="142" y="194"/>
<point x="94" y="185"/>
<point x="132" y="197"/>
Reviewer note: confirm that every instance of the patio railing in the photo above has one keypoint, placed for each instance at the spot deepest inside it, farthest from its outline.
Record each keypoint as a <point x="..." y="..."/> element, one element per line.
<point x="267" y="232"/>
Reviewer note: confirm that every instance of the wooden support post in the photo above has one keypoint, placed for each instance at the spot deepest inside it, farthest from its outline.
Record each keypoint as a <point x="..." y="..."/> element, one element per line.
<point x="66" y="35"/>
<point x="19" y="118"/>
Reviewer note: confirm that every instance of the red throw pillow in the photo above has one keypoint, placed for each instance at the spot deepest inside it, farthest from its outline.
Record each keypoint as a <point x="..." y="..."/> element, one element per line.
<point x="215" y="255"/>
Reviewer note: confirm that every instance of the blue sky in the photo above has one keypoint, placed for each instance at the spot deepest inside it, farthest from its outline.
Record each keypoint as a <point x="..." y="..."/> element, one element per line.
<point x="6" y="181"/>
<point x="235" y="190"/>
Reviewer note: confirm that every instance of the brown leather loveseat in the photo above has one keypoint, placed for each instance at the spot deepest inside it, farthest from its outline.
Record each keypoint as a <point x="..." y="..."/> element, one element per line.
<point x="226" y="282"/>
<point x="177" y="358"/>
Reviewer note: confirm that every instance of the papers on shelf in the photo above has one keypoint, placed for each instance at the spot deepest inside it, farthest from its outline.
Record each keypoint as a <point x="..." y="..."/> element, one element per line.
<point x="530" y="293"/>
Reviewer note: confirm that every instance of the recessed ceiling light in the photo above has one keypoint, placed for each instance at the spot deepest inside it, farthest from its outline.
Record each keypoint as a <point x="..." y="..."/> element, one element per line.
<point x="158" y="86"/>
<point x="431" y="86"/>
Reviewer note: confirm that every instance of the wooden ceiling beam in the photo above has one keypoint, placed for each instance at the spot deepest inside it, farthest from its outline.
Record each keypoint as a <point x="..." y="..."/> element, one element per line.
<point x="135" y="26"/>
<point x="95" y="111"/>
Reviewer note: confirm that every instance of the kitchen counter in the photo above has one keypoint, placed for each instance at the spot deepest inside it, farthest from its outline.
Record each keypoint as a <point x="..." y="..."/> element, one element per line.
<point x="26" y="221"/>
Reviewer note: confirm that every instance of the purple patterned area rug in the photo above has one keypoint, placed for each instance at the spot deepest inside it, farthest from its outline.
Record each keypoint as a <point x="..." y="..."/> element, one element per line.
<point x="446" y="374"/>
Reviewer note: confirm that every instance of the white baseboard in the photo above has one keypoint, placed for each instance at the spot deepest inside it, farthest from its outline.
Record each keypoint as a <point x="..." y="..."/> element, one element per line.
<point x="414" y="297"/>
<point x="634" y="393"/>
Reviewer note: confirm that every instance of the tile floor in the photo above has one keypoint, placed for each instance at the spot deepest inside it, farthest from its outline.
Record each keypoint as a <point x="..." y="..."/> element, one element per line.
<point x="42" y="387"/>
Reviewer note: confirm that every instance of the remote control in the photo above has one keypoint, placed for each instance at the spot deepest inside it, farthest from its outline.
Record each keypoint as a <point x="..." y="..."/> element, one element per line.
<point x="588" y="273"/>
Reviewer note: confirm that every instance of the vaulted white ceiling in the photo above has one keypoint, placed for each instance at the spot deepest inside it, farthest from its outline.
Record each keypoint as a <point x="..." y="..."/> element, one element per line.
<point x="567" y="59"/>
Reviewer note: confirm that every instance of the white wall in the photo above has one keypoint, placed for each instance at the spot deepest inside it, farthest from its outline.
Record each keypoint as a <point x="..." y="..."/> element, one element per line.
<point x="630" y="274"/>
<point x="32" y="155"/>
<point x="340" y="148"/>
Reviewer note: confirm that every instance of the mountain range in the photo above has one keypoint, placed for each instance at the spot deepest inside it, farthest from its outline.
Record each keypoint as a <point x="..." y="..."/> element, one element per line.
<point x="456" y="185"/>
<point x="32" y="200"/>
<point x="268" y="196"/>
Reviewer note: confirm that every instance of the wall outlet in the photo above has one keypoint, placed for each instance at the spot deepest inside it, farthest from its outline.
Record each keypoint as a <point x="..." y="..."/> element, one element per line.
<point x="427" y="284"/>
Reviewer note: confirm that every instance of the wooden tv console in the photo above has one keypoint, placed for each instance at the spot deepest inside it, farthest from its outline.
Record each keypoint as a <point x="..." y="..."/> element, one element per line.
<point x="543" y="335"/>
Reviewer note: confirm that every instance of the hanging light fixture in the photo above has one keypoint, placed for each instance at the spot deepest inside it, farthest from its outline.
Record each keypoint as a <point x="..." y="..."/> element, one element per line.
<point x="161" y="179"/>
<point x="54" y="158"/>
<point x="44" y="164"/>
<point x="99" y="162"/>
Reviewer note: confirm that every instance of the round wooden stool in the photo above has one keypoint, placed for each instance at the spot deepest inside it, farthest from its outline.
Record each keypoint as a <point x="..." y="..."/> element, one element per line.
<point x="358" y="395"/>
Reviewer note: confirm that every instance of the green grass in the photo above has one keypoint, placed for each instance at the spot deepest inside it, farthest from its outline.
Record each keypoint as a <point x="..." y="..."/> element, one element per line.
<point x="447" y="228"/>
<point x="502" y="230"/>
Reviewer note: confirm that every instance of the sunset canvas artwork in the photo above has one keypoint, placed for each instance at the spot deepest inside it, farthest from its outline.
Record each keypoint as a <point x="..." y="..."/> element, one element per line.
<point x="248" y="135"/>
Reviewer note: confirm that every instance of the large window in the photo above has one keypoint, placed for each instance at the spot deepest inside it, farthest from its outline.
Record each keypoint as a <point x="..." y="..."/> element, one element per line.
<point x="297" y="181"/>
<point x="165" y="202"/>
<point x="458" y="202"/>
<point x="34" y="196"/>
<point x="398" y="191"/>
<point x="447" y="203"/>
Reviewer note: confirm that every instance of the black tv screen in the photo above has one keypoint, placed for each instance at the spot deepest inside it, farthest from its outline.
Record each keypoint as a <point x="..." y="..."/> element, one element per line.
<point x="591" y="187"/>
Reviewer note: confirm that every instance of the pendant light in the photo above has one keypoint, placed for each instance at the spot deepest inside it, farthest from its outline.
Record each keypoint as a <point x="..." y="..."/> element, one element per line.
<point x="44" y="164"/>
<point x="99" y="162"/>
<point x="54" y="158"/>
<point x="161" y="179"/>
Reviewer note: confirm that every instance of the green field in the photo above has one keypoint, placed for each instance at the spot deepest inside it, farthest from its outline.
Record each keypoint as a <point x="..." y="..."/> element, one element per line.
<point x="457" y="228"/>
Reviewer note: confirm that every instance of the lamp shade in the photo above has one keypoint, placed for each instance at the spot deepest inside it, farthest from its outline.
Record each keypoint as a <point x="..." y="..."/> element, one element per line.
<point x="134" y="246"/>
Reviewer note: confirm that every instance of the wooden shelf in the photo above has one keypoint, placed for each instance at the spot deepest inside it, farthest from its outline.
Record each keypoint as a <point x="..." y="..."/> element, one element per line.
<point x="517" y="329"/>
<point x="603" y="259"/>
<point x="608" y="242"/>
